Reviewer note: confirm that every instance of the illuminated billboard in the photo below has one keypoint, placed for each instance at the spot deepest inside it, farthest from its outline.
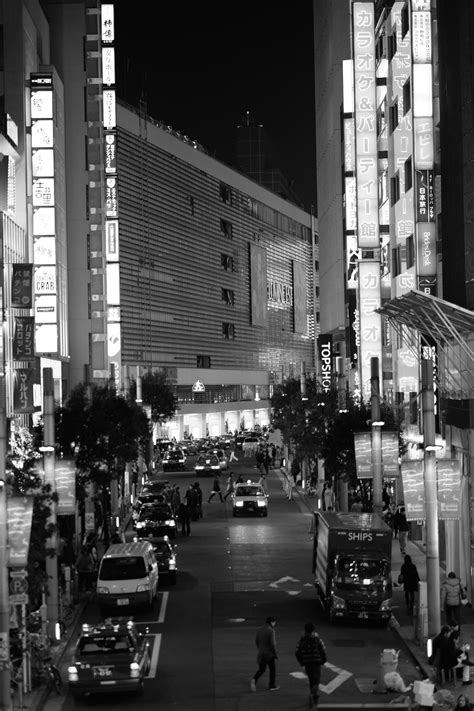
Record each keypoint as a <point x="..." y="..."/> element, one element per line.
<point x="370" y="322"/>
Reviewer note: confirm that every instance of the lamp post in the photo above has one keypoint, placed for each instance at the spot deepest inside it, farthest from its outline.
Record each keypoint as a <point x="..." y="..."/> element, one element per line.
<point x="376" y="441"/>
<point x="49" y="464"/>
<point x="431" y="498"/>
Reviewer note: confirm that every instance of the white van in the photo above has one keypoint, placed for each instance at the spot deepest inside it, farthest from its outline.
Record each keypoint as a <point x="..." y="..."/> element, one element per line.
<point x="128" y="576"/>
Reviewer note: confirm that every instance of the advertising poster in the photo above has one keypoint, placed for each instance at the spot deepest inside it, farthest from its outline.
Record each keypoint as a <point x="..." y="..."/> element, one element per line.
<point x="24" y="338"/>
<point x="363" y="454"/>
<point x="391" y="467"/>
<point x="449" y="489"/>
<point x="414" y="489"/>
<point x="65" y="476"/>
<point x="22" y="286"/>
<point x="20" y="514"/>
<point x="23" y="400"/>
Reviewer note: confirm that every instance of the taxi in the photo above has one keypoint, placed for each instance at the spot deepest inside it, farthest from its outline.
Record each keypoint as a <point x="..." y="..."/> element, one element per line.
<point x="109" y="657"/>
<point x="249" y="498"/>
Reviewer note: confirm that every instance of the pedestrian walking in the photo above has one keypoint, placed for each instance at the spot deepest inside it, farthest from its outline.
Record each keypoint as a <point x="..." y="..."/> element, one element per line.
<point x="216" y="489"/>
<point x="452" y="594"/>
<point x="311" y="654"/>
<point x="328" y="496"/>
<point x="230" y="485"/>
<point x="198" y="501"/>
<point x="259" y="458"/>
<point x="402" y="526"/>
<point x="410" y="579"/>
<point x="184" y="518"/>
<point x="84" y="568"/>
<point x="263" y="483"/>
<point x="265" y="641"/>
<point x="232" y="457"/>
<point x="175" y="499"/>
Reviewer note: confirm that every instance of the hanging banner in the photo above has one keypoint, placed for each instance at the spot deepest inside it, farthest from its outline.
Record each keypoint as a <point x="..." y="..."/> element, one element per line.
<point x="449" y="489"/>
<point x="23" y="402"/>
<point x="22" y="286"/>
<point x="24" y="338"/>
<point x="65" y="478"/>
<point x="20" y="515"/>
<point x="363" y="454"/>
<point x="391" y="466"/>
<point x="414" y="489"/>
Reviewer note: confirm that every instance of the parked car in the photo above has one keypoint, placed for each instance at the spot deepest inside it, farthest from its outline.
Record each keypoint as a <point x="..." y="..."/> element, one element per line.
<point x="174" y="459"/>
<point x="249" y="498"/>
<point x="251" y="442"/>
<point x="165" y="555"/>
<point x="222" y="457"/>
<point x="147" y="498"/>
<point x="109" y="657"/>
<point x="188" y="446"/>
<point x="157" y="519"/>
<point x="207" y="464"/>
<point x="154" y="486"/>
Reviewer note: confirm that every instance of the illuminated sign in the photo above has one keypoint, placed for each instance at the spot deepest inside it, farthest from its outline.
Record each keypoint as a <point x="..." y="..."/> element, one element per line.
<point x="111" y="197"/>
<point x="107" y="22"/>
<point x="198" y="387"/>
<point x="42" y="134"/>
<point x="43" y="192"/>
<point x="325" y="360"/>
<point x="113" y="283"/>
<point x="45" y="309"/>
<point x="352" y="256"/>
<point x="108" y="65"/>
<point x="110" y="153"/>
<point x="44" y="221"/>
<point x="365" y="124"/>
<point x="349" y="145"/>
<point x="370" y="322"/>
<point x="351" y="204"/>
<point x="45" y="280"/>
<point x="426" y="248"/>
<point x="421" y="37"/>
<point x="43" y="163"/>
<point x="109" y="108"/>
<point x="19" y="518"/>
<point x="112" y="240"/>
<point x="44" y="250"/>
<point x="425" y="204"/>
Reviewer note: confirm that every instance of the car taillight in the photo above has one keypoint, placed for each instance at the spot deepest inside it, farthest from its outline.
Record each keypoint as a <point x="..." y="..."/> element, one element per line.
<point x="72" y="674"/>
<point x="134" y="670"/>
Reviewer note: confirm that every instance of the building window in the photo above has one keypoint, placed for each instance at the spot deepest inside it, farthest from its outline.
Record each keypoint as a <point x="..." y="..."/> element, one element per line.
<point x="227" y="262"/>
<point x="379" y="48"/>
<point x="406" y="96"/>
<point x="393" y="117"/>
<point x="317" y="292"/>
<point x="228" y="296"/>
<point x="203" y="361"/>
<point x="316" y="265"/>
<point x="225" y="193"/>
<point x="396" y="262"/>
<point x="408" y="166"/>
<point x="318" y="317"/>
<point x="228" y="331"/>
<point x="395" y="189"/>
<point x="405" y="22"/>
<point x="410" y="247"/>
<point x="226" y="228"/>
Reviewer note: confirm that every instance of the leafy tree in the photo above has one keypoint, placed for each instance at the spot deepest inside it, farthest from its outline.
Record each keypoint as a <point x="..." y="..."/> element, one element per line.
<point x="104" y="431"/>
<point x="159" y="394"/>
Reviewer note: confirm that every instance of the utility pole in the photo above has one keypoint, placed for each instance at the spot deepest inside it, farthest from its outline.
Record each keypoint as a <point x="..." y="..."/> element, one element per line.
<point x="49" y="464"/>
<point x="376" y="436"/>
<point x="431" y="498"/>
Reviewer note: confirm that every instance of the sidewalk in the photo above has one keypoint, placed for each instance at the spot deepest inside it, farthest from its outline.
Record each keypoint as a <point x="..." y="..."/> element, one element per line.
<point x="404" y="624"/>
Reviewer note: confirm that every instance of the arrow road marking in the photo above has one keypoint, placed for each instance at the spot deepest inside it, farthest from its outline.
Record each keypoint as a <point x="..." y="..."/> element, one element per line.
<point x="288" y="579"/>
<point x="342" y="675"/>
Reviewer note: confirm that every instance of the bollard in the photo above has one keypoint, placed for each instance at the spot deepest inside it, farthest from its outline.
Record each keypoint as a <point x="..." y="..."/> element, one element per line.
<point x="388" y="663"/>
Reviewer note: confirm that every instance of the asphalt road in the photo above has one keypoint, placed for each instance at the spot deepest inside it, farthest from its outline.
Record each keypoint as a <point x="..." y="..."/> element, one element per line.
<point x="233" y="572"/>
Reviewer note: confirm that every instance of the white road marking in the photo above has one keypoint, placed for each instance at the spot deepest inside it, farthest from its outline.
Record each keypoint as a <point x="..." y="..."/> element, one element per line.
<point x="287" y="579"/>
<point x="164" y="603"/>
<point x="154" y="656"/>
<point x="342" y="675"/>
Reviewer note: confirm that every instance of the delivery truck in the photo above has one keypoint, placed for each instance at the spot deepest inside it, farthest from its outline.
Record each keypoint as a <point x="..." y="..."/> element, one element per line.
<point x="352" y="555"/>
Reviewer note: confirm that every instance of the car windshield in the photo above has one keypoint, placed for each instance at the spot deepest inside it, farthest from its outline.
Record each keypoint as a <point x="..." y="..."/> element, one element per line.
<point x="205" y="458"/>
<point x="162" y="550"/>
<point x="154" y="512"/>
<point x="249" y="491"/>
<point x="105" y="644"/>
<point x="174" y="455"/>
<point x="126" y="568"/>
<point x="350" y="572"/>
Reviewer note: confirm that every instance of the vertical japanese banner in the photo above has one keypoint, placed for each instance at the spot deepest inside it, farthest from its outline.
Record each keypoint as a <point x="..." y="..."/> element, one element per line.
<point x="370" y="322"/>
<point x="414" y="489"/>
<point x="65" y="477"/>
<point x="22" y="286"/>
<point x="23" y="402"/>
<point x="24" y="338"/>
<point x="391" y="466"/>
<point x="449" y="489"/>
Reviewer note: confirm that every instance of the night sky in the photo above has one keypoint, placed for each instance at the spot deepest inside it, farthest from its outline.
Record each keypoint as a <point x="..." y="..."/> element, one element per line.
<point x="201" y="65"/>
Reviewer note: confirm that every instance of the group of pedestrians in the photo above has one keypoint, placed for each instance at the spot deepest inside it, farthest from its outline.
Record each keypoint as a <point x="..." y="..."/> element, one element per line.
<point x="230" y="485"/>
<point x="310" y="653"/>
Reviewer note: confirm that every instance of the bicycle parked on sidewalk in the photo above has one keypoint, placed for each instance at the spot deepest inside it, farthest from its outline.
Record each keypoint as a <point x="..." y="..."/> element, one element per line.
<point x="44" y="671"/>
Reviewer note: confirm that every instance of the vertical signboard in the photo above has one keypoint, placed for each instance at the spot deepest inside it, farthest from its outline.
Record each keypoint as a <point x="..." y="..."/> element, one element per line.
<point x="413" y="489"/>
<point x="449" y="489"/>
<point x="114" y="335"/>
<point x="365" y="124"/>
<point x="325" y="360"/>
<point x="44" y="213"/>
<point x="370" y="322"/>
<point x="425" y="228"/>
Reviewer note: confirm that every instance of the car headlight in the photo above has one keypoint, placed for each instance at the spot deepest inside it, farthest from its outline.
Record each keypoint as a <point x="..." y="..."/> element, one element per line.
<point x="171" y="522"/>
<point x="103" y="591"/>
<point x="72" y="674"/>
<point x="143" y="588"/>
<point x="239" y="503"/>
<point x="261" y="504"/>
<point x="386" y="604"/>
<point x="338" y="603"/>
<point x="140" y="524"/>
<point x="172" y="564"/>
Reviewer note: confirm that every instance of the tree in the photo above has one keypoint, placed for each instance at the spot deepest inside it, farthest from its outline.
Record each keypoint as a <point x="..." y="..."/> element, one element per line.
<point x="104" y="431"/>
<point x="158" y="393"/>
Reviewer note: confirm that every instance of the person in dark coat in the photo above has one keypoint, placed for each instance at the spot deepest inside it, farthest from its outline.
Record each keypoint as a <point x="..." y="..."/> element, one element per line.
<point x="402" y="526"/>
<point x="184" y="518"/>
<point x="311" y="654"/>
<point x="216" y="489"/>
<point x="198" y="509"/>
<point x="463" y="703"/>
<point x="409" y="579"/>
<point x="266" y="654"/>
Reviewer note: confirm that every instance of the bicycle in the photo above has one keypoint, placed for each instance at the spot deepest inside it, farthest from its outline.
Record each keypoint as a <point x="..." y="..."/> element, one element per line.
<point x="311" y="491"/>
<point x="46" y="671"/>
